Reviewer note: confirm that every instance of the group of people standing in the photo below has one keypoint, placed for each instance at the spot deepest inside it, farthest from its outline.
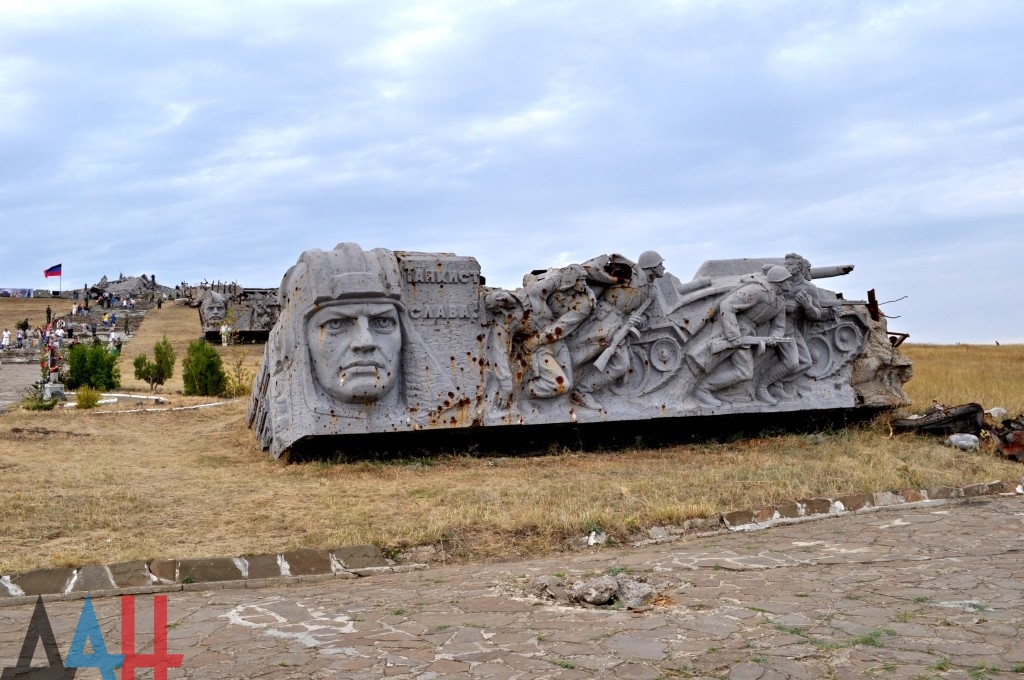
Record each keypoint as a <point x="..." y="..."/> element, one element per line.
<point x="57" y="330"/>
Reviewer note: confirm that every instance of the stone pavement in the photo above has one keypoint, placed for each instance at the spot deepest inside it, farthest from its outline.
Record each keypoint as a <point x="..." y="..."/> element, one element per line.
<point x="906" y="592"/>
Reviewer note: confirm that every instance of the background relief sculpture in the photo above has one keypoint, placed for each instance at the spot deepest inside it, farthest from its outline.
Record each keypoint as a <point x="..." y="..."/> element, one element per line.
<point x="372" y="341"/>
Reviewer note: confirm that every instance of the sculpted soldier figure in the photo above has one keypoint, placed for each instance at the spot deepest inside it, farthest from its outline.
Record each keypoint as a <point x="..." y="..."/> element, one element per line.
<point x="600" y="348"/>
<point x="727" y="357"/>
<point x="793" y="359"/>
<point x="560" y="301"/>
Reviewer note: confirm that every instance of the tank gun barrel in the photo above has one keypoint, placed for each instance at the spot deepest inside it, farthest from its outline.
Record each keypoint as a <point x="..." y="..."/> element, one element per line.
<point x="830" y="271"/>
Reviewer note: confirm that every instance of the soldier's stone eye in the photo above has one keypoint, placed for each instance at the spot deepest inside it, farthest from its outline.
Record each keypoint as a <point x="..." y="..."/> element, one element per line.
<point x="384" y="323"/>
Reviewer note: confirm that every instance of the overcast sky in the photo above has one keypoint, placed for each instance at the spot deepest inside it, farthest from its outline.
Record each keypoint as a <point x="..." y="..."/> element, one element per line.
<point x="215" y="140"/>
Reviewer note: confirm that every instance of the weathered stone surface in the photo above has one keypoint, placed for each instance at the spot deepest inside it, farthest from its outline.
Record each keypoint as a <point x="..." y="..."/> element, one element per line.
<point x="208" y="569"/>
<point x="44" y="581"/>
<point x="166" y="571"/>
<point x="597" y="591"/>
<point x="131" y="574"/>
<point x="976" y="490"/>
<point x="360" y="556"/>
<point x="816" y="506"/>
<point x="307" y="562"/>
<point x="633" y="593"/>
<point x="788" y="510"/>
<point x="634" y="647"/>
<point x="93" y="578"/>
<point x="999" y="487"/>
<point x="737" y="518"/>
<point x="374" y="341"/>
<point x="913" y="495"/>
<point x="263" y="566"/>
<point x="249" y="313"/>
<point x="941" y="492"/>
<point x="857" y="501"/>
<point x="552" y="586"/>
<point x="884" y="498"/>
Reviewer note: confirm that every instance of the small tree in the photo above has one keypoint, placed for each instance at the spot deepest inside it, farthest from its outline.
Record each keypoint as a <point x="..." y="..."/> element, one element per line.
<point x="158" y="371"/>
<point x="202" y="370"/>
<point x="92" y="365"/>
<point x="239" y="377"/>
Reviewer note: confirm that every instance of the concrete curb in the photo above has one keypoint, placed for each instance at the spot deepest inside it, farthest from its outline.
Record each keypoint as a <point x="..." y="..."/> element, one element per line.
<point x="818" y="508"/>
<point x="211" y="573"/>
<point x="813" y="509"/>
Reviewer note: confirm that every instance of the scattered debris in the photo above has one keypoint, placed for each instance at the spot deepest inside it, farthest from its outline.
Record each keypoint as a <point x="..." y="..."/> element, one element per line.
<point x="964" y="442"/>
<point x="964" y="424"/>
<point x="940" y="419"/>
<point x="1009" y="438"/>
<point x="997" y="413"/>
<point x="609" y="589"/>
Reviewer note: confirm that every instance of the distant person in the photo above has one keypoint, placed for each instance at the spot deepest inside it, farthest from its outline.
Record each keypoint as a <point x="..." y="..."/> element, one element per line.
<point x="5" y="340"/>
<point x="49" y="314"/>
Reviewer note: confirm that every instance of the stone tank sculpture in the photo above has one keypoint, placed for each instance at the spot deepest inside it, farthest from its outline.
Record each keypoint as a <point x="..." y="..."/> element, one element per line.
<point x="378" y="341"/>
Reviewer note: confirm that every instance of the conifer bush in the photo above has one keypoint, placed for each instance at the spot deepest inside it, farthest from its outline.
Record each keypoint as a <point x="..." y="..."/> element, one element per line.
<point x="203" y="371"/>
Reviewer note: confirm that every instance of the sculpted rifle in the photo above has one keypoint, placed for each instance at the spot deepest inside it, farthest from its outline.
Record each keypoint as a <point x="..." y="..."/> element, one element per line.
<point x="747" y="341"/>
<point x="619" y="336"/>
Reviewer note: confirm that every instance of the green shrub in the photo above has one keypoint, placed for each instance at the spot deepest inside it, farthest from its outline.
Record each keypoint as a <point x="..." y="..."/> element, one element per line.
<point x="37" y="403"/>
<point x="158" y="371"/>
<point x="92" y="365"/>
<point x="203" y="371"/>
<point x="87" y="397"/>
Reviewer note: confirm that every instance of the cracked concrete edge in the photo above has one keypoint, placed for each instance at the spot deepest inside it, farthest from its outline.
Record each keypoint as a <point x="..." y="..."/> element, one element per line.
<point x="820" y="508"/>
<point x="214" y="573"/>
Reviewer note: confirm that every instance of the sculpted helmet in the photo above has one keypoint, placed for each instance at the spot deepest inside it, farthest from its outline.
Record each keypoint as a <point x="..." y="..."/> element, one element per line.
<point x="649" y="259"/>
<point x="778" y="273"/>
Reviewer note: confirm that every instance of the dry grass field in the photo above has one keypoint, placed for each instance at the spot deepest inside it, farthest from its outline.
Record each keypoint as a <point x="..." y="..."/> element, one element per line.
<point x="13" y="310"/>
<point x="958" y="374"/>
<point x="94" y="487"/>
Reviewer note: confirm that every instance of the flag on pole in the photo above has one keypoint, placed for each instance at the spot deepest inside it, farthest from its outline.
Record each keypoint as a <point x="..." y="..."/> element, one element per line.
<point x="52" y="271"/>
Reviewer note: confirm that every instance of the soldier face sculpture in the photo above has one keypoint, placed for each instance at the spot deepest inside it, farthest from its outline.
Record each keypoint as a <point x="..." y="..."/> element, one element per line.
<point x="355" y="349"/>
<point x="214" y="309"/>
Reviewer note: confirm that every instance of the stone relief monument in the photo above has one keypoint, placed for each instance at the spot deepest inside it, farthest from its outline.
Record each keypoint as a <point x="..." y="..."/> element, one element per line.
<point x="375" y="341"/>
<point x="250" y="312"/>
